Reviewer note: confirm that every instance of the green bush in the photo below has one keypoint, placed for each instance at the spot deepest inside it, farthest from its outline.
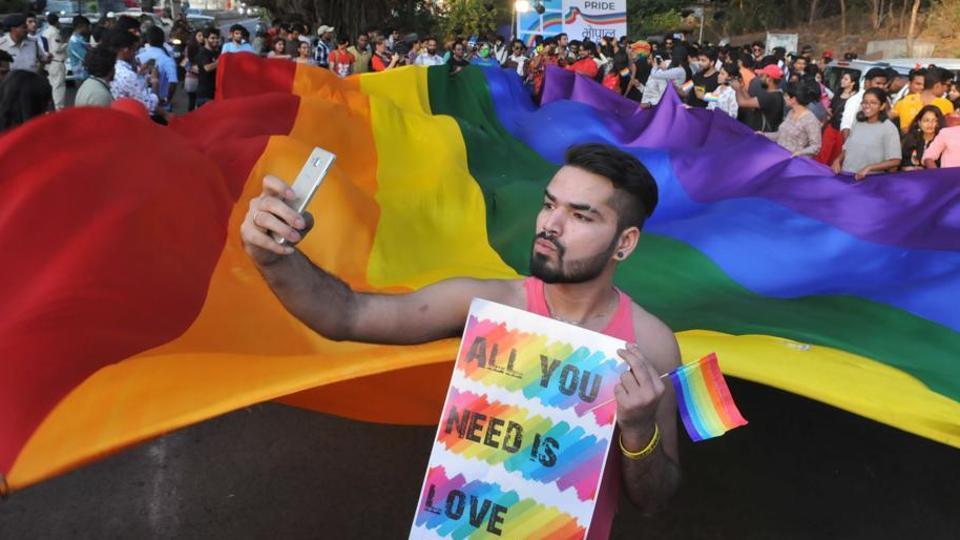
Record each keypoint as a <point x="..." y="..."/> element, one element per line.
<point x="655" y="23"/>
<point x="468" y="17"/>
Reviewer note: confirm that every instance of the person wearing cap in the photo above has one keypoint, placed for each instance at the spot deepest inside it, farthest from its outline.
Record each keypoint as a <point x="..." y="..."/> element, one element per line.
<point x="762" y="103"/>
<point x="826" y="57"/>
<point x="321" y="55"/>
<point x="25" y="50"/>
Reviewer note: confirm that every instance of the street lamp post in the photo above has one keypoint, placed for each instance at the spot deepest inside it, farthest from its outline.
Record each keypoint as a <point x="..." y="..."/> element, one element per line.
<point x="520" y="6"/>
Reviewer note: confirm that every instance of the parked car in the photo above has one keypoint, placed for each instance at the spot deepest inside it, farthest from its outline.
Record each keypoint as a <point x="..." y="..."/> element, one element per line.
<point x="200" y="21"/>
<point x="858" y="68"/>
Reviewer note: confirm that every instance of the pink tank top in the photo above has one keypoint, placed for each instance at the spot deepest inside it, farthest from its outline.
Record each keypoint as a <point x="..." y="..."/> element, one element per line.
<point x="621" y="327"/>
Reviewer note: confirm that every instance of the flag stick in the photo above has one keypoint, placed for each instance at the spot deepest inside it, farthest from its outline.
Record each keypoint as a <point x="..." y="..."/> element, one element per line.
<point x="667" y="374"/>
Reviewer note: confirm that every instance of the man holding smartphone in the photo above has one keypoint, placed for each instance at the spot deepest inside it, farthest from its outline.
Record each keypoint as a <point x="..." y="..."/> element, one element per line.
<point x="128" y="82"/>
<point x="592" y="212"/>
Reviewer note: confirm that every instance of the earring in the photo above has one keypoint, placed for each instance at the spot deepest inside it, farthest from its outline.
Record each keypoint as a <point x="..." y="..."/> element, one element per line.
<point x="620" y="255"/>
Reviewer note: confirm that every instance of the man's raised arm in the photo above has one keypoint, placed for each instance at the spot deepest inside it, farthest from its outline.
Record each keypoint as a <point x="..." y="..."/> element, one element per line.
<point x="329" y="306"/>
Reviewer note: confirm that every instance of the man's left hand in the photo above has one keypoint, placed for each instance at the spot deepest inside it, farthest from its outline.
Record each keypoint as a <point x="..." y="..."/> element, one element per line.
<point x="638" y="395"/>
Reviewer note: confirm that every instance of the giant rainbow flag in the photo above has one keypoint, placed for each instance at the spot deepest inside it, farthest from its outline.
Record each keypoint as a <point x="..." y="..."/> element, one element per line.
<point x="130" y="309"/>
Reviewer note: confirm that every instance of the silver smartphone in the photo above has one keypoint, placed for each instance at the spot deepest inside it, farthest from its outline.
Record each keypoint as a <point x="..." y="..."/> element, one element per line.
<point x="308" y="182"/>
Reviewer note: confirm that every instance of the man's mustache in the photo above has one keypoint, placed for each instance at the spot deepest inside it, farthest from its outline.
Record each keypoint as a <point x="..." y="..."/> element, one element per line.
<point x="552" y="240"/>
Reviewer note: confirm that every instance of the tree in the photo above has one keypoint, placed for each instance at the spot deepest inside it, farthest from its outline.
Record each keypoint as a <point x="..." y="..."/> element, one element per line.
<point x="350" y="17"/>
<point x="911" y="32"/>
<point x="843" y="17"/>
<point x="469" y="17"/>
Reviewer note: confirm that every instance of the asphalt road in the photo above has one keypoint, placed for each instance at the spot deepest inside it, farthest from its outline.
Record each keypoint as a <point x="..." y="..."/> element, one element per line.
<point x="800" y="469"/>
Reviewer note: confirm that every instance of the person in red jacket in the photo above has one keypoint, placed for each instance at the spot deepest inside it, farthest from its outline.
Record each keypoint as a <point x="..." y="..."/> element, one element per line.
<point x="586" y="63"/>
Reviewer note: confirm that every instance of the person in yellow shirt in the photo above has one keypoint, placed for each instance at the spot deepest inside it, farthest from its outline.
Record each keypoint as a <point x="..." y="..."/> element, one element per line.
<point x="935" y="84"/>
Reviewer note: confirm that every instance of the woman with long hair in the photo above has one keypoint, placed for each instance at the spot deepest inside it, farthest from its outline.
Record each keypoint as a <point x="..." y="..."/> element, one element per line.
<point x="303" y="54"/>
<point x="23" y="95"/>
<point x="832" y="138"/>
<point x="924" y="128"/>
<point x="191" y="78"/>
<point x="874" y="142"/>
<point x="279" y="50"/>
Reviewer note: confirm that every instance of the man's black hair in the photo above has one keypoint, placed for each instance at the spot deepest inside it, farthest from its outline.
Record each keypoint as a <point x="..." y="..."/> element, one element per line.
<point x="710" y="53"/>
<point x="891" y="74"/>
<point x="154" y="37"/>
<point x="127" y="24"/>
<point x="917" y="72"/>
<point x="53" y="19"/>
<point x="210" y="31"/>
<point x="767" y="61"/>
<point x="935" y="75"/>
<point x="636" y="190"/>
<point x="23" y="95"/>
<point x="236" y="27"/>
<point x="100" y="61"/>
<point x="876" y="72"/>
<point x="118" y="38"/>
<point x="79" y="21"/>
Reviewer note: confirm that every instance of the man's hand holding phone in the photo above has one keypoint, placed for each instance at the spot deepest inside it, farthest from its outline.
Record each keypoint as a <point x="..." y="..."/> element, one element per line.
<point x="270" y="215"/>
<point x="277" y="218"/>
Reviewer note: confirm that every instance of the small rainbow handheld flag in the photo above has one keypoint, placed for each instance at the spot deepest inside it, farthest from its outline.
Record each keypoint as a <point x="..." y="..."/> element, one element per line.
<point x="687" y="87"/>
<point x="705" y="403"/>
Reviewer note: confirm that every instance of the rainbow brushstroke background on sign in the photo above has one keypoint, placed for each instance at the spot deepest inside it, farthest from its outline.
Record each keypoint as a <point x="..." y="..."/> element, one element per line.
<point x="527" y="364"/>
<point x="582" y="453"/>
<point x="527" y="519"/>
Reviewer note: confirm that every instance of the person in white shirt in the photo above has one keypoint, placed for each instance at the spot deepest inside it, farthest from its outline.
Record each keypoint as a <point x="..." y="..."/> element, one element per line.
<point x="724" y="98"/>
<point x="430" y="58"/>
<point x="128" y="83"/>
<point x="500" y="51"/>
<point x="517" y="58"/>
<point x="25" y="50"/>
<point x="876" y="77"/>
<point x="57" y="68"/>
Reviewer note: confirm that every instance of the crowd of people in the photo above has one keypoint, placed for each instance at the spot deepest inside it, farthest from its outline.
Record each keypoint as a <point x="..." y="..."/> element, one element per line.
<point x="890" y="123"/>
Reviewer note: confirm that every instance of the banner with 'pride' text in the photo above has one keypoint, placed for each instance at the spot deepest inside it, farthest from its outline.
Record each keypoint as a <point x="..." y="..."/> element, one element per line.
<point x="525" y="430"/>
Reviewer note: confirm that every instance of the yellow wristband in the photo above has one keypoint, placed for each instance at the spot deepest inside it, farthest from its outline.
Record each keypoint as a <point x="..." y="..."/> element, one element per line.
<point x="646" y="451"/>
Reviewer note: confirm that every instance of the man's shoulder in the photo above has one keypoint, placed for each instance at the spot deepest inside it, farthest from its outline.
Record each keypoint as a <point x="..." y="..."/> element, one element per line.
<point x="655" y="339"/>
